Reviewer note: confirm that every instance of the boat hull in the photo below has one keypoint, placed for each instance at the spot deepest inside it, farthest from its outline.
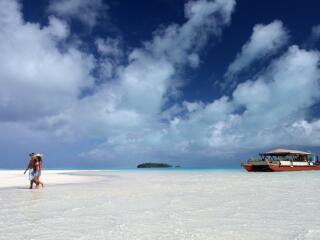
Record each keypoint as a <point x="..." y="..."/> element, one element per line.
<point x="257" y="168"/>
<point x="278" y="168"/>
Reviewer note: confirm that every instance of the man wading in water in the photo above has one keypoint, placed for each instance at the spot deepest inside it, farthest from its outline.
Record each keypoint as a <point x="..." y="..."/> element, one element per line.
<point x="35" y="168"/>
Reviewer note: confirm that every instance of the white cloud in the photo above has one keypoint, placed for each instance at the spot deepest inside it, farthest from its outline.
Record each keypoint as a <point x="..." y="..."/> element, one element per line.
<point x="194" y="60"/>
<point x="127" y="109"/>
<point x="57" y="28"/>
<point x="143" y="84"/>
<point x="278" y="97"/>
<point x="111" y="54"/>
<point x="308" y="132"/>
<point x="36" y="77"/>
<point x="86" y="11"/>
<point x="126" y="118"/>
<point x="110" y="47"/>
<point x="180" y="43"/>
<point x="265" y="41"/>
<point x="273" y="105"/>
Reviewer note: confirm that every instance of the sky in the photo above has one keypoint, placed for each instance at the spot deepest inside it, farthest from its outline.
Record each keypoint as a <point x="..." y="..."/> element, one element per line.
<point x="202" y="83"/>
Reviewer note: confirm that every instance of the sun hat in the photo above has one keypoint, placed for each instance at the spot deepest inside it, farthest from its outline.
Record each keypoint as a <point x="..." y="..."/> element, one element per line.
<point x="38" y="155"/>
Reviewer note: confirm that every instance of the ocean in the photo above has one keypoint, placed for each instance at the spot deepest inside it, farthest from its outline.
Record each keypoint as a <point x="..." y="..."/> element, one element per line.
<point x="175" y="204"/>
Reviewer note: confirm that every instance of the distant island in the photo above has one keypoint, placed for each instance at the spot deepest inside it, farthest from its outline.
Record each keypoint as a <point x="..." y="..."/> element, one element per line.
<point x="154" y="165"/>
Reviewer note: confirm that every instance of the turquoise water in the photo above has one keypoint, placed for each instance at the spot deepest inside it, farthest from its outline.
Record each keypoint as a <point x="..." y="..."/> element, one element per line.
<point x="233" y="168"/>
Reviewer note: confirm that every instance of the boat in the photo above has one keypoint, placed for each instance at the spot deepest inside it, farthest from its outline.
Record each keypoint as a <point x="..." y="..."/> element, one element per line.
<point x="282" y="160"/>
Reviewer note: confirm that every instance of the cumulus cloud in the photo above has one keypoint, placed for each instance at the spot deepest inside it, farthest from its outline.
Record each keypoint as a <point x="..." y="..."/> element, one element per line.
<point x="273" y="108"/>
<point x="128" y="109"/>
<point x="308" y="132"/>
<point x="144" y="83"/>
<point x="50" y="96"/>
<point x="264" y="42"/>
<point x="280" y="95"/>
<point x="180" y="44"/>
<point x="110" y="47"/>
<point x="124" y="110"/>
<point x="86" y="11"/>
<point x="36" y="77"/>
<point x="111" y="54"/>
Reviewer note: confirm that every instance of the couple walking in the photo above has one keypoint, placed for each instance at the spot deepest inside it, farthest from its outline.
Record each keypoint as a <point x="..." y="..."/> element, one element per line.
<point x="35" y="167"/>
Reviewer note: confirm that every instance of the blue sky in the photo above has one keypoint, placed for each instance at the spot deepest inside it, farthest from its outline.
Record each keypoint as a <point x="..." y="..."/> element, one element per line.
<point x="197" y="83"/>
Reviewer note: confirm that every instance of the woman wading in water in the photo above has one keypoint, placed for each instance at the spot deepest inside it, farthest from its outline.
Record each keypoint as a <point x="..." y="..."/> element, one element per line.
<point x="35" y="168"/>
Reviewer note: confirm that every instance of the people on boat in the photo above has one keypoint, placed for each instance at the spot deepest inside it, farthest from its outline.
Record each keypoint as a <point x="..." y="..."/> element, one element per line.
<point x="35" y="168"/>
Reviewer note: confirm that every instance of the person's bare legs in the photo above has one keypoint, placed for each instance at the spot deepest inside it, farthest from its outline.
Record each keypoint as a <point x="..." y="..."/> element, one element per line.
<point x="41" y="183"/>
<point x="31" y="184"/>
<point x="38" y="182"/>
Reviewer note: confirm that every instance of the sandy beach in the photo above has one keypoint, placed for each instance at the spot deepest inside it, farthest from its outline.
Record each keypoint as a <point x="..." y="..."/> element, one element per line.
<point x="16" y="178"/>
<point x="158" y="205"/>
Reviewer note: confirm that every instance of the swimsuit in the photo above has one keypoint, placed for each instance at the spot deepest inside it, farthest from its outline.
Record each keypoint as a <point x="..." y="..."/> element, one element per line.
<point x="33" y="170"/>
<point x="36" y="173"/>
<point x="31" y="174"/>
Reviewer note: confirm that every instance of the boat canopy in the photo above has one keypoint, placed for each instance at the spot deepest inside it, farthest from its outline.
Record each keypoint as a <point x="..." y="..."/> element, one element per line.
<point x="284" y="152"/>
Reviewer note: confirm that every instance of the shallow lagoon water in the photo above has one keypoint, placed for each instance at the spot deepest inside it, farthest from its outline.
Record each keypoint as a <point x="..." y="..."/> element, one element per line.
<point x="167" y="205"/>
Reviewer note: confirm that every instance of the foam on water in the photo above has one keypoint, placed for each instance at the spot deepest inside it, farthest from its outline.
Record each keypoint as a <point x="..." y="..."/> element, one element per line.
<point x="168" y="205"/>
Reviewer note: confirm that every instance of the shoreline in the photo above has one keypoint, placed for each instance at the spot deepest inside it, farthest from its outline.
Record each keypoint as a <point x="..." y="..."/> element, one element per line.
<point x="16" y="178"/>
<point x="133" y="169"/>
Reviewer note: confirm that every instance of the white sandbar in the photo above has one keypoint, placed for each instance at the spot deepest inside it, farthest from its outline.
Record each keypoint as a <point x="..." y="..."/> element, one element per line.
<point x="16" y="178"/>
<point x="162" y="205"/>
